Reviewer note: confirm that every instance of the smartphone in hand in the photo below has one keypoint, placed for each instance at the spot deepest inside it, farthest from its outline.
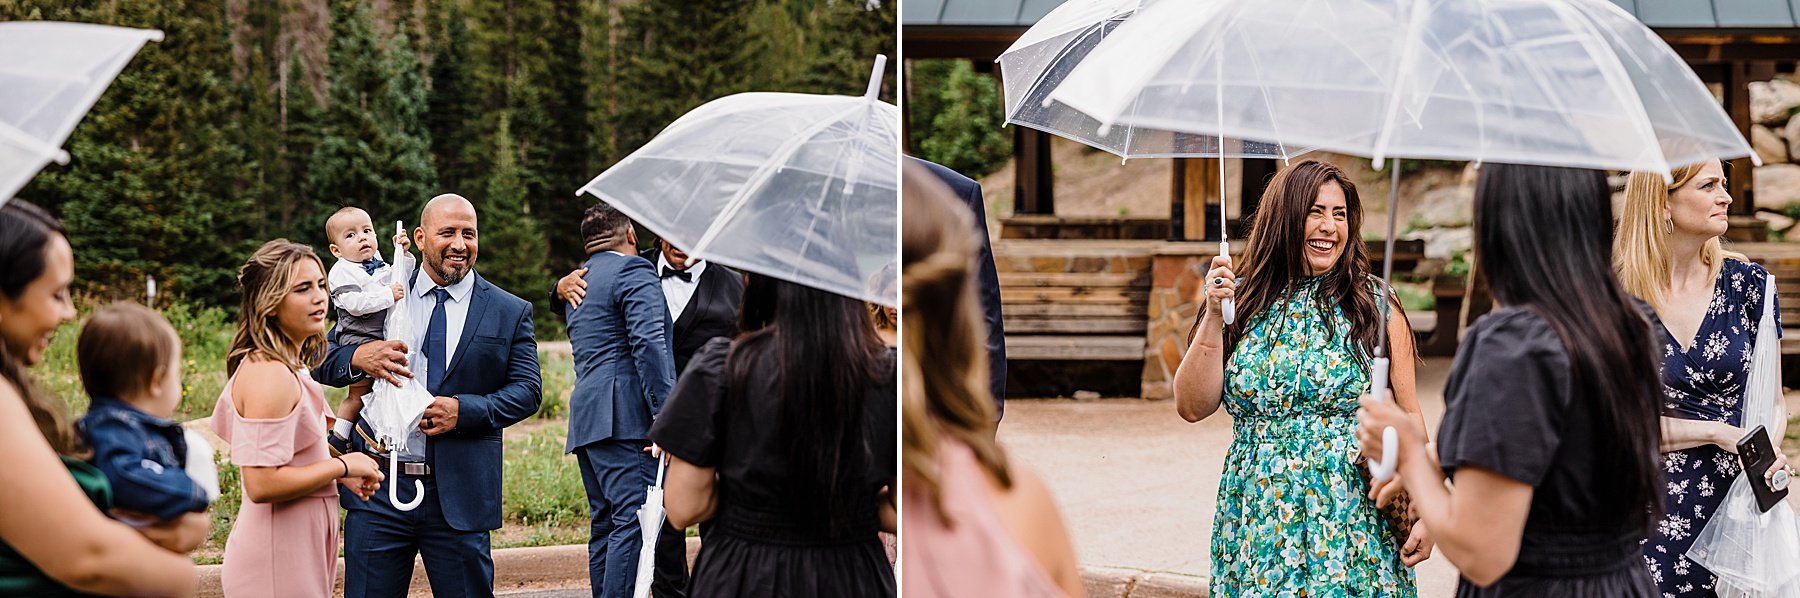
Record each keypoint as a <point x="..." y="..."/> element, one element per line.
<point x="1758" y="455"/>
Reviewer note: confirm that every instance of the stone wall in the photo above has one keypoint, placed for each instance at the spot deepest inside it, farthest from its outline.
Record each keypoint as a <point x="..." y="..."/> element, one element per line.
<point x="1176" y="273"/>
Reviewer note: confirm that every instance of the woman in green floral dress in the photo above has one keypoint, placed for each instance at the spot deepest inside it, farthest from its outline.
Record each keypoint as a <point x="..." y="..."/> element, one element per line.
<point x="1295" y="516"/>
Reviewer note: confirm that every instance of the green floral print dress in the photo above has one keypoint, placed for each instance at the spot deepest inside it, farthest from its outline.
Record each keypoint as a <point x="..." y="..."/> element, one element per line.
<point x="1294" y="517"/>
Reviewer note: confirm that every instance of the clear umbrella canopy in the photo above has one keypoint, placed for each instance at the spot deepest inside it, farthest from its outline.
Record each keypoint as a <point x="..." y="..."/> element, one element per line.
<point x="795" y="186"/>
<point x="1043" y="57"/>
<point x="50" y="75"/>
<point x="1550" y="82"/>
<point x="1575" y="83"/>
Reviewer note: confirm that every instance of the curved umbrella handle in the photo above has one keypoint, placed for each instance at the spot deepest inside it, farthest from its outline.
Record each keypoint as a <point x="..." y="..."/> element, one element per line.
<point x="394" y="490"/>
<point x="1390" y="439"/>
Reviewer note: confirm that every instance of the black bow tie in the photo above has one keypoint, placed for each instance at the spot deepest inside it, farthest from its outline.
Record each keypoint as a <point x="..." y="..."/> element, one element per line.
<point x="684" y="275"/>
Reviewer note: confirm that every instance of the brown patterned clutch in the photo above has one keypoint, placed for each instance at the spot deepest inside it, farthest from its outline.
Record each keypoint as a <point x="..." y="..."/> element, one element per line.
<point x="1398" y="515"/>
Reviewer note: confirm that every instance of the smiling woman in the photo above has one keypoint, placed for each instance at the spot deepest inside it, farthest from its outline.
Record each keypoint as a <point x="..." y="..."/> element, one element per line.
<point x="1289" y="371"/>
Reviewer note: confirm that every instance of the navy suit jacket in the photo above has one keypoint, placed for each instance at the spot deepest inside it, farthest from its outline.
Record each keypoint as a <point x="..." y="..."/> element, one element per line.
<point x="620" y="336"/>
<point x="495" y="379"/>
<point x="989" y="281"/>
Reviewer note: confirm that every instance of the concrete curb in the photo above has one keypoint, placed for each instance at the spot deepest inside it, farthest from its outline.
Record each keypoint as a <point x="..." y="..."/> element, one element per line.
<point x="515" y="569"/>
<point x="1120" y="582"/>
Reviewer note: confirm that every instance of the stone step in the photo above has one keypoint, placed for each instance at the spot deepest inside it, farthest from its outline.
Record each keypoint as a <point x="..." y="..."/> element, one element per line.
<point x="1074" y="347"/>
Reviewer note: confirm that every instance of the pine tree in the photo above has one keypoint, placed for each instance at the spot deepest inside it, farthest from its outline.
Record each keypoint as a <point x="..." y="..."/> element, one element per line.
<point x="373" y="149"/>
<point x="512" y="245"/>
<point x="451" y="101"/>
<point x="154" y="185"/>
<point x="964" y="115"/>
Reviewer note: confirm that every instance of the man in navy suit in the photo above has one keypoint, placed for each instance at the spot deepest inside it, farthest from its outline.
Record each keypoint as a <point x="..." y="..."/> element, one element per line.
<point x="623" y="373"/>
<point x="480" y="361"/>
<point x="703" y="298"/>
<point x="989" y="290"/>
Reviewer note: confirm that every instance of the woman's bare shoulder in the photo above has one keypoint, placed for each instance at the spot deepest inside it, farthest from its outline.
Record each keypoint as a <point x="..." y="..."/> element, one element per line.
<point x="264" y="388"/>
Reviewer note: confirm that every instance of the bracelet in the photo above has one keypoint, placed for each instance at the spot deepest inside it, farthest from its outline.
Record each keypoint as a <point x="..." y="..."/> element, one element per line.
<point x="346" y="466"/>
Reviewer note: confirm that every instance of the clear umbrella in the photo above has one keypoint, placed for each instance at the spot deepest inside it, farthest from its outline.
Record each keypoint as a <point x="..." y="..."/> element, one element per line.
<point x="1042" y="58"/>
<point x="50" y="75"/>
<point x="393" y="412"/>
<point x="650" y="524"/>
<point x="1551" y="82"/>
<point x="799" y="187"/>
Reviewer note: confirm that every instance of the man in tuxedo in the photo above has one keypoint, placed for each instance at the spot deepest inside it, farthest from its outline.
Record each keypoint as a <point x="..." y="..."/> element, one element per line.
<point x="703" y="299"/>
<point x="987" y="279"/>
<point x="623" y="373"/>
<point x="480" y="361"/>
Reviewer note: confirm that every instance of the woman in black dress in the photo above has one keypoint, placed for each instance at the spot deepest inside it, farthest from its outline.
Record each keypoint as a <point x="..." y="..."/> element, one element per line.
<point x="796" y="419"/>
<point x="1550" y="428"/>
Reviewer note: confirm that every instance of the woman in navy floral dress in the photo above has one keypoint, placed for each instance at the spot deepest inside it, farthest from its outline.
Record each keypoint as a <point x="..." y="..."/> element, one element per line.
<point x="1710" y="302"/>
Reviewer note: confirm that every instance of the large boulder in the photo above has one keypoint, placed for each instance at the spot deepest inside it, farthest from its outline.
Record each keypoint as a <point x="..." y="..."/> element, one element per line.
<point x="1768" y="144"/>
<point x="1441" y="243"/>
<point x="1777" y="186"/>
<point x="1792" y="134"/>
<point x="1770" y="101"/>
<point x="1444" y="206"/>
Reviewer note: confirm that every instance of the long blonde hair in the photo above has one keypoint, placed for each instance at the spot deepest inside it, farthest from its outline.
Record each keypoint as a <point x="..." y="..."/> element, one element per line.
<point x="1641" y="240"/>
<point x="946" y="396"/>
<point x="263" y="282"/>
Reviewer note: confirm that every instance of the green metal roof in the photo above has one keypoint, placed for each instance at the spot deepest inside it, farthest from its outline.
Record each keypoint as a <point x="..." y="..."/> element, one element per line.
<point x="1751" y="14"/>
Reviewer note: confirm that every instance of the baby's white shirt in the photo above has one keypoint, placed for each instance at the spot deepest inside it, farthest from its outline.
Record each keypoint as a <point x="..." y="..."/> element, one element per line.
<point x="365" y="293"/>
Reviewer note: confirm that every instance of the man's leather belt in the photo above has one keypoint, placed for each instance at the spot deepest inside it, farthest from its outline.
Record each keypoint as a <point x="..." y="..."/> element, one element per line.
<point x="414" y="468"/>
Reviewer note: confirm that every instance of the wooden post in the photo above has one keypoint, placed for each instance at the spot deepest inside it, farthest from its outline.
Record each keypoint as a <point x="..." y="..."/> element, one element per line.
<point x="1737" y="104"/>
<point x="1256" y="175"/>
<point x="1195" y="184"/>
<point x="1033" y="182"/>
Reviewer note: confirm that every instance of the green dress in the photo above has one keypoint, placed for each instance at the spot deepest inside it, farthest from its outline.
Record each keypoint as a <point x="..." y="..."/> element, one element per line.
<point x="1294" y="517"/>
<point x="18" y="577"/>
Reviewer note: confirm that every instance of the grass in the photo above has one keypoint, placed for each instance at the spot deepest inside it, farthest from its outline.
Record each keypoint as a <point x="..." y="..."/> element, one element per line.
<point x="544" y="501"/>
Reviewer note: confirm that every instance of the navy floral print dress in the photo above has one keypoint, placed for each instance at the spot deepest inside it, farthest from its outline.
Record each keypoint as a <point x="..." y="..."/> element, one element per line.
<point x="1704" y="381"/>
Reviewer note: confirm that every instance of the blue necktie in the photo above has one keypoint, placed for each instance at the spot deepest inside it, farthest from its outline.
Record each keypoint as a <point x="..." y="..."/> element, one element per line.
<point x="435" y="342"/>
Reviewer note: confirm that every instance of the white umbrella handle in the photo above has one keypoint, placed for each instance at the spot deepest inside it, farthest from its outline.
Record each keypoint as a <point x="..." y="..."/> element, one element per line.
<point x="1383" y="469"/>
<point x="394" y="489"/>
<point x="662" y="466"/>
<point x="1228" y="308"/>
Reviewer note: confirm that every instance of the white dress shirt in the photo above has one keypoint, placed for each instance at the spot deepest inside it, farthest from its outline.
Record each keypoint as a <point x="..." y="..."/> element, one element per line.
<point x="676" y="291"/>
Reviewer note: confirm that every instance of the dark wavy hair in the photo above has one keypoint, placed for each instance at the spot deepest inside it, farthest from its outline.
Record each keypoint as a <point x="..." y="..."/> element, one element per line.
<point x="1276" y="258"/>
<point x="25" y="234"/>
<point x="825" y="355"/>
<point x="1543" y="239"/>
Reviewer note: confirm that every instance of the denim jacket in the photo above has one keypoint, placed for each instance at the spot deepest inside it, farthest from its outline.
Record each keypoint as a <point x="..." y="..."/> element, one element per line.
<point x="143" y="457"/>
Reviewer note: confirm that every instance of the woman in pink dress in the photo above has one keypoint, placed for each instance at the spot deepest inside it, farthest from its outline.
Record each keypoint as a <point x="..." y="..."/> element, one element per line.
<point x="285" y="540"/>
<point x="976" y="523"/>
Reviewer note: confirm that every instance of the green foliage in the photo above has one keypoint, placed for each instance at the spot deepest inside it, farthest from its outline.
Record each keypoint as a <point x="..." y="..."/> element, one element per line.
<point x="510" y="240"/>
<point x="1459" y="263"/>
<point x="559" y="379"/>
<point x="255" y="120"/>
<point x="373" y="149"/>
<point x="962" y="115"/>
<point x="542" y="485"/>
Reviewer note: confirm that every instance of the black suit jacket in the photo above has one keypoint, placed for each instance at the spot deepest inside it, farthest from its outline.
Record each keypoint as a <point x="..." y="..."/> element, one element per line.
<point x="988" y="280"/>
<point x="712" y="311"/>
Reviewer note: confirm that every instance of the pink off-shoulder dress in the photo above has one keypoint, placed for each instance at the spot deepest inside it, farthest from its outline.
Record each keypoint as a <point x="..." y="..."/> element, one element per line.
<point x="286" y="549"/>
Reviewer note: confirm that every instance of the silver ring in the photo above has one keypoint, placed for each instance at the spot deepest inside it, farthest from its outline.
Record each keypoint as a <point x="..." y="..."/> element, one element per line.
<point x="426" y="422"/>
<point x="1219" y="281"/>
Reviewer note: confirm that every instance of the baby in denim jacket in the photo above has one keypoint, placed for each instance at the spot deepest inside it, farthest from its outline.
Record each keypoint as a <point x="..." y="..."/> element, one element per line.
<point x="130" y="361"/>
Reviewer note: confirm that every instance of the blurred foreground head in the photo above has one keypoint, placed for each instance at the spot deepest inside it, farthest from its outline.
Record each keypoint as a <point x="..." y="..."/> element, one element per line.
<point x="945" y="391"/>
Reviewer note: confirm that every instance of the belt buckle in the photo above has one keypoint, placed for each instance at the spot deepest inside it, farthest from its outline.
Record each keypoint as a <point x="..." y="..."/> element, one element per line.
<point x="414" y="469"/>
